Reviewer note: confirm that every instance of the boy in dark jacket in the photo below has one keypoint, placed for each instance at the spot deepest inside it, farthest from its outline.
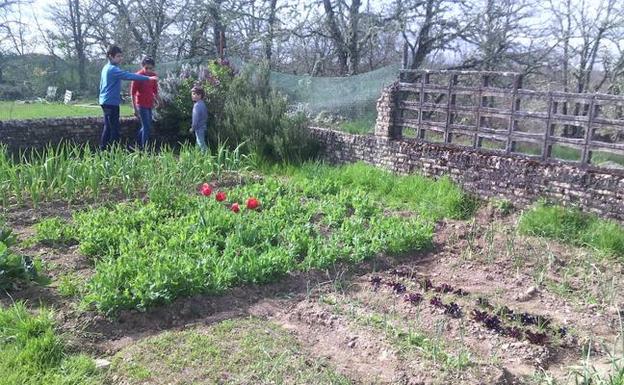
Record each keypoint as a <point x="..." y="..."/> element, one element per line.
<point x="143" y="96"/>
<point x="110" y="94"/>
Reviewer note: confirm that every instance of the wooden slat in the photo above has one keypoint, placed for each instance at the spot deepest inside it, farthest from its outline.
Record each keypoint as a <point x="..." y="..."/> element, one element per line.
<point x="551" y="117"/>
<point x="420" y="134"/>
<point x="598" y="145"/>
<point x="514" y="106"/>
<point x="459" y="72"/>
<point x="550" y="128"/>
<point x="586" y="156"/>
<point x="570" y="142"/>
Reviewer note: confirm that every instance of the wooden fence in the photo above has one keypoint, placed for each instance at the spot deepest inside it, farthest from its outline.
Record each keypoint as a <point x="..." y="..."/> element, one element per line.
<point x="490" y="109"/>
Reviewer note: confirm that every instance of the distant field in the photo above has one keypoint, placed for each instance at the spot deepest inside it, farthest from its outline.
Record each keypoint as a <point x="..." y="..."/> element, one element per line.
<point x="14" y="111"/>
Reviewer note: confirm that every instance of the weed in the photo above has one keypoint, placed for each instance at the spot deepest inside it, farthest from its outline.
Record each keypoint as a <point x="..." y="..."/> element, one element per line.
<point x="70" y="285"/>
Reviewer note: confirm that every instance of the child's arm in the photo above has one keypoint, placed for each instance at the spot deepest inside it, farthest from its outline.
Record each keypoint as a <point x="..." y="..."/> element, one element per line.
<point x="134" y="90"/>
<point x="125" y="75"/>
<point x="195" y="118"/>
<point x="155" y="89"/>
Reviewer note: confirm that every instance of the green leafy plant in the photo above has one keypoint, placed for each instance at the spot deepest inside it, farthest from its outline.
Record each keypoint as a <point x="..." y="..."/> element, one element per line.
<point x="181" y="245"/>
<point x="54" y="231"/>
<point x="13" y="267"/>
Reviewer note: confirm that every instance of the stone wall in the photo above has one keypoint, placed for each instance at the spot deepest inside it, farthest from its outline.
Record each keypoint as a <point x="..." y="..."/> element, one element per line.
<point x="37" y="133"/>
<point x="487" y="174"/>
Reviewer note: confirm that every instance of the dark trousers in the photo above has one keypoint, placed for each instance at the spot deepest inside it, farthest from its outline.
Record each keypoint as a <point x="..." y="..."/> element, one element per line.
<point x="110" y="133"/>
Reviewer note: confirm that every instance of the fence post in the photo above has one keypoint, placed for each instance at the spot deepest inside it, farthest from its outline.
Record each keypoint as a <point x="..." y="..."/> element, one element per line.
<point x="550" y="128"/>
<point x="515" y="106"/>
<point x="586" y="157"/>
<point x="450" y="101"/>
<point x="482" y="102"/>
<point x="386" y="125"/>
<point x="420" y="134"/>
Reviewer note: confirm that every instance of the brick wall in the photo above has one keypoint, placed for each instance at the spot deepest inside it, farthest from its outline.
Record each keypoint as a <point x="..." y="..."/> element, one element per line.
<point x="37" y="133"/>
<point x="487" y="174"/>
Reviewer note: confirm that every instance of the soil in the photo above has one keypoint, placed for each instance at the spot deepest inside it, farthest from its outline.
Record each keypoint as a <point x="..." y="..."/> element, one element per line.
<point x="361" y="327"/>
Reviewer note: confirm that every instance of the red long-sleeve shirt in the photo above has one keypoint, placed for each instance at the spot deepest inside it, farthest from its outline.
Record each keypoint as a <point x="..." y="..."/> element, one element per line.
<point x="144" y="92"/>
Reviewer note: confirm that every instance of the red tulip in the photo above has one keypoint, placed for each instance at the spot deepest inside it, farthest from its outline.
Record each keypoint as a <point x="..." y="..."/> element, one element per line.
<point x="252" y="203"/>
<point x="235" y="207"/>
<point x="220" y="196"/>
<point x="206" y="190"/>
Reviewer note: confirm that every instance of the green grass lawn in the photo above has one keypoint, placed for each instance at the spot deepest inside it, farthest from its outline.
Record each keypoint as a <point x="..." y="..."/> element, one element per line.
<point x="14" y="111"/>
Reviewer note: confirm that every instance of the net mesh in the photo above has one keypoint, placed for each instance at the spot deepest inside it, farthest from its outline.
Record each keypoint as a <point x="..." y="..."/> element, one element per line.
<point x="350" y="97"/>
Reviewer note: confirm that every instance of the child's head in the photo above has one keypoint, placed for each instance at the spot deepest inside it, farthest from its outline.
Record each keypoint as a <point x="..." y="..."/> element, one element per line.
<point x="114" y="54"/>
<point x="197" y="93"/>
<point x="148" y="63"/>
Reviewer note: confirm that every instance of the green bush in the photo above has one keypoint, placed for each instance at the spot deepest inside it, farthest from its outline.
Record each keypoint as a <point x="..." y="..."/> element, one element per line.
<point x="175" y="90"/>
<point x="258" y="117"/>
<point x="242" y="111"/>
<point x="573" y="227"/>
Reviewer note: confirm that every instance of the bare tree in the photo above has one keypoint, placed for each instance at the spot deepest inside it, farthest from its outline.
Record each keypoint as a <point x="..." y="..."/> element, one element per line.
<point x="147" y="20"/>
<point x="76" y="21"/>
<point x="427" y="26"/>
<point x="13" y="32"/>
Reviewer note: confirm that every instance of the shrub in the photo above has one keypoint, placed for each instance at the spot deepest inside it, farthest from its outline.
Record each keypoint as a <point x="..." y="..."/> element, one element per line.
<point x="175" y="91"/>
<point x="258" y="117"/>
<point x="242" y="110"/>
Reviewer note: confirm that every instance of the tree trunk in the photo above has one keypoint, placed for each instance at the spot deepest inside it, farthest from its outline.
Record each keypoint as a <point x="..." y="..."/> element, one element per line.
<point x="339" y="41"/>
<point x="268" y="44"/>
<point x="423" y="44"/>
<point x="218" y="29"/>
<point x="352" y="44"/>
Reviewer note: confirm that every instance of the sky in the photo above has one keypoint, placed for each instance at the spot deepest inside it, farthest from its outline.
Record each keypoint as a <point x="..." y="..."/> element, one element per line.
<point x="38" y="8"/>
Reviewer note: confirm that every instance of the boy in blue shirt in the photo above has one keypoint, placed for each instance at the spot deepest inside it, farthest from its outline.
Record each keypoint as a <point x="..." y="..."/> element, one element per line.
<point x="110" y="94"/>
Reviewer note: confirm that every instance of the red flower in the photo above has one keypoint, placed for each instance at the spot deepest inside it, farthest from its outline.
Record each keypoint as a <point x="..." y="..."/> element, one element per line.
<point x="252" y="203"/>
<point x="235" y="207"/>
<point x="220" y="196"/>
<point x="205" y="189"/>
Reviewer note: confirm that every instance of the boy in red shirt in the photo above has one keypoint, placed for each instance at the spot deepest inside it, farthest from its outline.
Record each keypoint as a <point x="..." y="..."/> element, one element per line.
<point x="144" y="94"/>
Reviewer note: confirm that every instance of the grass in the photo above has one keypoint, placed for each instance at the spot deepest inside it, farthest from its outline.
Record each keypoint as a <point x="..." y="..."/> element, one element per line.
<point x="76" y="173"/>
<point x="10" y="110"/>
<point x="361" y="125"/>
<point x="239" y="351"/>
<point x="572" y="154"/>
<point x="32" y="353"/>
<point x="574" y="227"/>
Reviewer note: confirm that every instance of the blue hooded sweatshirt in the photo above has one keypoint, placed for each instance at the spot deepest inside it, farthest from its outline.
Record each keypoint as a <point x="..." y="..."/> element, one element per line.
<point x="110" y="83"/>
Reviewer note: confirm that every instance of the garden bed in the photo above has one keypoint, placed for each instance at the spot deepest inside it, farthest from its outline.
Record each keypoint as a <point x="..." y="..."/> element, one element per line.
<point x="341" y="275"/>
